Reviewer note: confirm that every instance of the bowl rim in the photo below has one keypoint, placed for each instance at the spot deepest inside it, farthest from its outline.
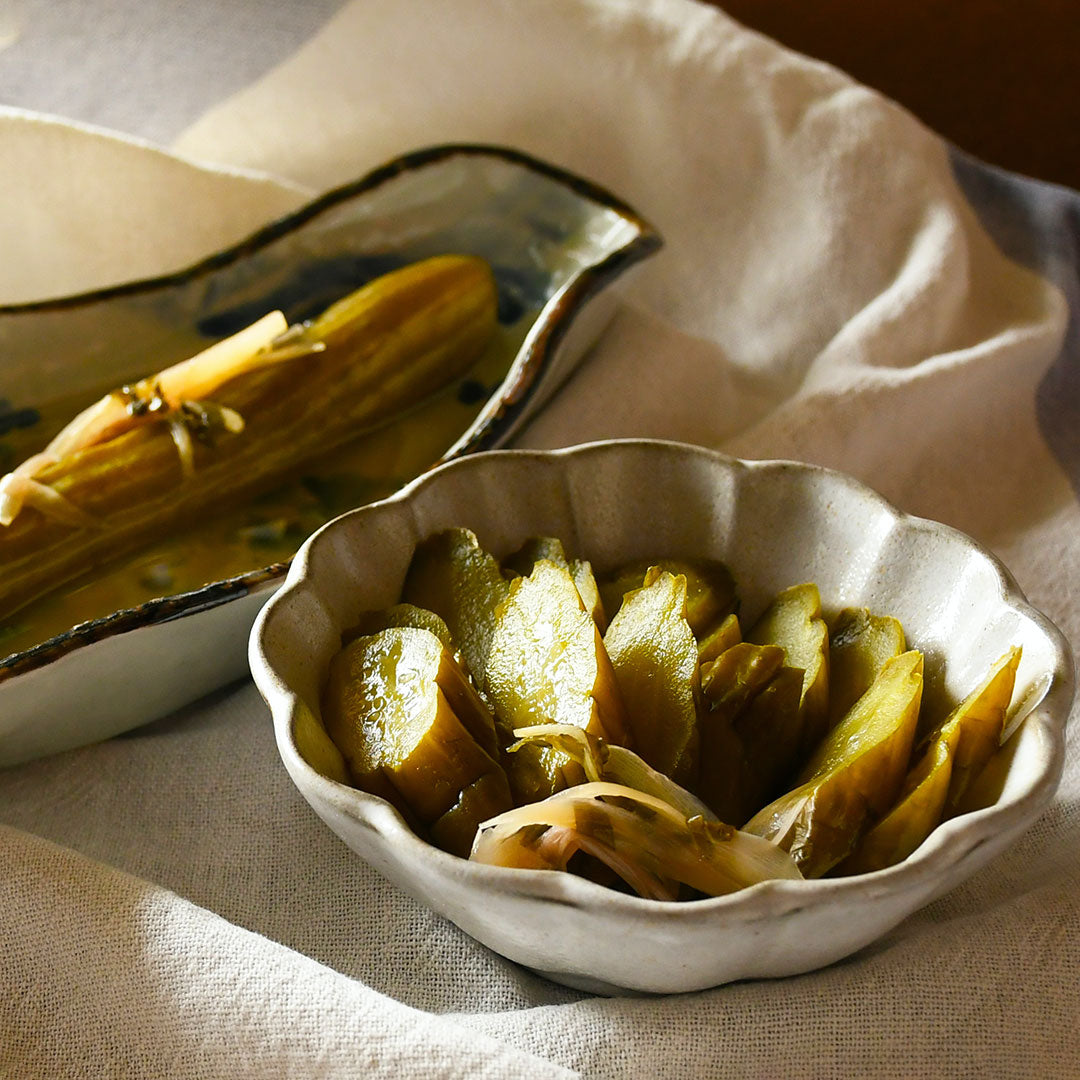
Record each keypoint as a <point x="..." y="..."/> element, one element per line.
<point x="513" y="393"/>
<point x="950" y="843"/>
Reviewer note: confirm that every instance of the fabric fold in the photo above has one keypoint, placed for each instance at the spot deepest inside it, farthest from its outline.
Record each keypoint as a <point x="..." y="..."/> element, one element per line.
<point x="94" y="945"/>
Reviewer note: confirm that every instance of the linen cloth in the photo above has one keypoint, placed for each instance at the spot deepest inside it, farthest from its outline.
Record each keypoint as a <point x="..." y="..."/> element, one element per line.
<point x="836" y="286"/>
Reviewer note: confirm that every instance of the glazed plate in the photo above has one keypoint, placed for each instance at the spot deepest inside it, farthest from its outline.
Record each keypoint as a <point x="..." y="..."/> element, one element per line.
<point x="116" y="651"/>
<point x="775" y="524"/>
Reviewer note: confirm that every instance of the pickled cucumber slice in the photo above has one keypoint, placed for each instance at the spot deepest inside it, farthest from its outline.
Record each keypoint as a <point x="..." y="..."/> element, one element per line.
<point x="721" y="637"/>
<point x="793" y="621"/>
<point x="582" y="572"/>
<point x="547" y="664"/>
<point x="856" y="772"/>
<point x="730" y="781"/>
<point x="917" y="813"/>
<point x="371" y="622"/>
<point x="535" y="548"/>
<point x="406" y="719"/>
<point x="521" y="561"/>
<point x="770" y="730"/>
<point x="655" y="658"/>
<point x="484" y="798"/>
<point x="975" y="727"/>
<point x="739" y="673"/>
<point x="859" y="644"/>
<point x="453" y="576"/>
<point x="710" y="588"/>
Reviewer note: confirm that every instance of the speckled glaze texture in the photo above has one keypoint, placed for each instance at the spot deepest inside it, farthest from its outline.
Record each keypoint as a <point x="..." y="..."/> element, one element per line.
<point x="555" y="242"/>
<point x="774" y="523"/>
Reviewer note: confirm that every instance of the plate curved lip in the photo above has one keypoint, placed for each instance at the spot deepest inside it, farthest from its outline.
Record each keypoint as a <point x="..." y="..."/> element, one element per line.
<point x="950" y="843"/>
<point x="513" y="393"/>
<point x="154" y="612"/>
<point x="328" y="200"/>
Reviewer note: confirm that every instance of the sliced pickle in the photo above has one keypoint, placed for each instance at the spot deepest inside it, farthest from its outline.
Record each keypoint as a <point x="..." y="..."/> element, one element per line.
<point x="582" y="572"/>
<point x="484" y="798"/>
<point x="409" y="724"/>
<point x="535" y="548"/>
<point x="975" y="727"/>
<point x="719" y="638"/>
<point x="857" y="771"/>
<point x="371" y="622"/>
<point x="793" y="620"/>
<point x="916" y="814"/>
<point x="739" y="673"/>
<point x="859" y="644"/>
<point x="730" y="684"/>
<point x="710" y="588"/>
<point x="770" y="730"/>
<point x="655" y="658"/>
<point x="547" y="664"/>
<point x="949" y="759"/>
<point x="451" y="575"/>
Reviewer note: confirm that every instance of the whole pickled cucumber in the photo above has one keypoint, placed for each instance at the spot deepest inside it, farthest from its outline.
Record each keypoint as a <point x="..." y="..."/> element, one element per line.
<point x="413" y="730"/>
<point x="383" y="348"/>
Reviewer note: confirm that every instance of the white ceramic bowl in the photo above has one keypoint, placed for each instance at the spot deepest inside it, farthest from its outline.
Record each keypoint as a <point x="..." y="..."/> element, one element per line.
<point x="774" y="524"/>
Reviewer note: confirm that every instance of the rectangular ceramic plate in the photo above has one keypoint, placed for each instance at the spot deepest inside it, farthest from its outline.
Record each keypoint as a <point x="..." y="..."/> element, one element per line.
<point x="171" y="625"/>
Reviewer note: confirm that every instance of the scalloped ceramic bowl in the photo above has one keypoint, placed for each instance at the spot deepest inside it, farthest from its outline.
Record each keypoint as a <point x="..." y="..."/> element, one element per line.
<point x="774" y="523"/>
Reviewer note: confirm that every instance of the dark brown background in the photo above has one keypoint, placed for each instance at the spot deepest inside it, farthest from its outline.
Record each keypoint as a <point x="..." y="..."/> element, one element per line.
<point x="999" y="79"/>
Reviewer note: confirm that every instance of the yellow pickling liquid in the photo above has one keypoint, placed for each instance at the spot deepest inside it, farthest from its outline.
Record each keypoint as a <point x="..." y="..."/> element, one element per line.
<point x="271" y="527"/>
